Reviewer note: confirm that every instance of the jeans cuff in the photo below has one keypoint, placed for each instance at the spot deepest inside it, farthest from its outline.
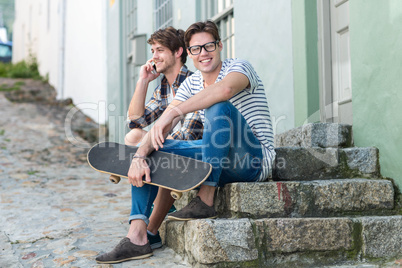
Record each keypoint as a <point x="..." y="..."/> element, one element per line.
<point x="210" y="183"/>
<point x="138" y="217"/>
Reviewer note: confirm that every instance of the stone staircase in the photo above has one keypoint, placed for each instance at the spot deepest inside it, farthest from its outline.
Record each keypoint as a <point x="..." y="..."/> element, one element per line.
<point x="327" y="205"/>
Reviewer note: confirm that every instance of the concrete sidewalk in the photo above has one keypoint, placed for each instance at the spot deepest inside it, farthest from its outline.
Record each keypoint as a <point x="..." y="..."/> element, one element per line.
<point x="54" y="209"/>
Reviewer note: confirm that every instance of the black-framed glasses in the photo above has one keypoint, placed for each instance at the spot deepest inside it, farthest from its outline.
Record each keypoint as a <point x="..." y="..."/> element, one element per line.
<point x="209" y="47"/>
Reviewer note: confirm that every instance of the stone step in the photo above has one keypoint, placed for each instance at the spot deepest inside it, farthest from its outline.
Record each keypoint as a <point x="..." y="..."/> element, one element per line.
<point x="284" y="242"/>
<point x="296" y="163"/>
<point x="306" y="199"/>
<point x="321" y="198"/>
<point x="323" y="135"/>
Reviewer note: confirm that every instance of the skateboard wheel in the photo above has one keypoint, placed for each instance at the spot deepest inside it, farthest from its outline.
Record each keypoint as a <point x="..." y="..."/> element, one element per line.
<point x="114" y="179"/>
<point x="175" y="195"/>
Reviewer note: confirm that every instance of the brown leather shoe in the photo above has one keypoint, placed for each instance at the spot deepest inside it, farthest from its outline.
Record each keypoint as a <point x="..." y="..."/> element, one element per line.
<point x="196" y="209"/>
<point x="125" y="251"/>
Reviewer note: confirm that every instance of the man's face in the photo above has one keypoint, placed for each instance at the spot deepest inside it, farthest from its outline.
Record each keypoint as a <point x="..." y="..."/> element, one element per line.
<point x="206" y="62"/>
<point x="163" y="57"/>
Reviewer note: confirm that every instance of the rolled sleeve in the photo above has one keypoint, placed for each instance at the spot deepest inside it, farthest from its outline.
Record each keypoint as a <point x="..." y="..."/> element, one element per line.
<point x="192" y="128"/>
<point x="153" y="110"/>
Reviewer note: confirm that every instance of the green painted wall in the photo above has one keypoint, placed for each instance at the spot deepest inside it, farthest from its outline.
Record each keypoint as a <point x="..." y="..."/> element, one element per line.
<point x="376" y="55"/>
<point x="305" y="60"/>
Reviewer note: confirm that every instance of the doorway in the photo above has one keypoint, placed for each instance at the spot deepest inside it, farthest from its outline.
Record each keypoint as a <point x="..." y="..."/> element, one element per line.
<point x="334" y="61"/>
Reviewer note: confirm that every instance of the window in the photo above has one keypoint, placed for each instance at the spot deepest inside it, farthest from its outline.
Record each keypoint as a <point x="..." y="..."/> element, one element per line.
<point x="221" y="12"/>
<point x="129" y="30"/>
<point x="163" y="13"/>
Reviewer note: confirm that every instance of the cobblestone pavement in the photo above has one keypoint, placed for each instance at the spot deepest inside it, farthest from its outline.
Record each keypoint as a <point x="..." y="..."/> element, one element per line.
<point x="55" y="210"/>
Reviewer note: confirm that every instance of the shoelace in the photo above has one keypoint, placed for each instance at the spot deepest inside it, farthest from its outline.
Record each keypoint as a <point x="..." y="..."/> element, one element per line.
<point x="193" y="203"/>
<point x="122" y="242"/>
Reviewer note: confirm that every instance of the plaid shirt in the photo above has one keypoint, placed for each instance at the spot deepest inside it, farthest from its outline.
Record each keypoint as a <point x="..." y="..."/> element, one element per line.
<point x="191" y="125"/>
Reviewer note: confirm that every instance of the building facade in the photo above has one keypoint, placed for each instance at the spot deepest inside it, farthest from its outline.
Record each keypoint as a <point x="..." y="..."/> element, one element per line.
<point x="346" y="70"/>
<point x="260" y="33"/>
<point x="68" y="38"/>
<point x="320" y="60"/>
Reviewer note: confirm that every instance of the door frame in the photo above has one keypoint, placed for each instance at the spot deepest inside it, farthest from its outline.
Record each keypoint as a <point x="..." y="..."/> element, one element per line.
<point x="325" y="61"/>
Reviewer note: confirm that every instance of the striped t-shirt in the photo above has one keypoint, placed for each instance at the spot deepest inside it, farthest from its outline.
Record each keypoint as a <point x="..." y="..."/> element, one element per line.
<point x="250" y="102"/>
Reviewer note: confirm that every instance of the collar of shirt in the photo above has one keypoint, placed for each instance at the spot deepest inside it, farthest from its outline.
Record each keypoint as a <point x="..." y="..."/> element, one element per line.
<point x="183" y="74"/>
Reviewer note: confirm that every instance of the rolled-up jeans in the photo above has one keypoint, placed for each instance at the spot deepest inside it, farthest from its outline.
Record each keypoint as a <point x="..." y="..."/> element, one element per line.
<point x="228" y="144"/>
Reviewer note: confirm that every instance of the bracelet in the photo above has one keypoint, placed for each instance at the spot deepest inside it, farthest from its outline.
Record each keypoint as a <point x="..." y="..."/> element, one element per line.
<point x="139" y="156"/>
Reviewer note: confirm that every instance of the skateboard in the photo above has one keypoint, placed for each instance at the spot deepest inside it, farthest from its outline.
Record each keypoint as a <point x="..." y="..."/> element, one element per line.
<point x="174" y="172"/>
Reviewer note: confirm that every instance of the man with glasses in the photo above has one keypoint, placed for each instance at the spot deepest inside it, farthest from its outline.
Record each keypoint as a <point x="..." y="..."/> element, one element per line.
<point x="237" y="138"/>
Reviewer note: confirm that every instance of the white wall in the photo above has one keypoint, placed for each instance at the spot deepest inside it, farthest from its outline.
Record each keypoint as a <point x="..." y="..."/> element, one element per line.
<point x="263" y="36"/>
<point x="81" y="73"/>
<point x="36" y="32"/>
<point x="85" y="55"/>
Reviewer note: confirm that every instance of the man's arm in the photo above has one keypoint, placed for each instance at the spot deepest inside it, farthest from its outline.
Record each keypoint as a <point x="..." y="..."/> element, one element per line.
<point x="139" y="168"/>
<point x="229" y="86"/>
<point x="137" y="104"/>
<point x="146" y="146"/>
<point x="232" y="84"/>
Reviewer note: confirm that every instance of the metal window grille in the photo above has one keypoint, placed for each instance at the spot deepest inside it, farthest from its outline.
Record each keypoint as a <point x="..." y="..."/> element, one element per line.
<point x="129" y="21"/>
<point x="163" y="13"/>
<point x="129" y="31"/>
<point x="221" y="12"/>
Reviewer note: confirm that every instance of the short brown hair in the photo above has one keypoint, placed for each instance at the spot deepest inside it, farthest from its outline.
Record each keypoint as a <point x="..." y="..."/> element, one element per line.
<point x="172" y="39"/>
<point x="201" y="27"/>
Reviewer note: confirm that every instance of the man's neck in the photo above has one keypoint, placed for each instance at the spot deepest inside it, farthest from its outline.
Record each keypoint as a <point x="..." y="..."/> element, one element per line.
<point x="172" y="73"/>
<point x="210" y="77"/>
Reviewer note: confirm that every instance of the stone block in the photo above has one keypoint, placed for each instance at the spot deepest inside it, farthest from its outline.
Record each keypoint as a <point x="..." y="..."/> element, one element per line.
<point x="363" y="160"/>
<point x="318" y="198"/>
<point x="174" y="234"/>
<point x="263" y="199"/>
<point x="352" y="195"/>
<point x="324" y="135"/>
<point x="287" y="242"/>
<point x="293" y="163"/>
<point x="382" y="236"/>
<point x="305" y="234"/>
<point x="223" y="240"/>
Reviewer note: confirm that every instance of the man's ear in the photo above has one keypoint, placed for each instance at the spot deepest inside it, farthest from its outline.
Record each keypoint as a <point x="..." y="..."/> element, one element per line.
<point x="189" y="54"/>
<point x="220" y="45"/>
<point x="179" y="52"/>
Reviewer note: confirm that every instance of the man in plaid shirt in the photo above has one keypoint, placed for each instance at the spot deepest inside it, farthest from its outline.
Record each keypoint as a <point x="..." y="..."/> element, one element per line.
<point x="169" y="56"/>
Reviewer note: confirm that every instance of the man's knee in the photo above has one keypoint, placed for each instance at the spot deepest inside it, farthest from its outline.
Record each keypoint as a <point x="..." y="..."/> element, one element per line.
<point x="220" y="108"/>
<point x="133" y="137"/>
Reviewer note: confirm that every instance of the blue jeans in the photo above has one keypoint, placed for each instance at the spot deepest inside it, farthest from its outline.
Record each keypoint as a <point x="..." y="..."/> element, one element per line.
<point x="228" y="144"/>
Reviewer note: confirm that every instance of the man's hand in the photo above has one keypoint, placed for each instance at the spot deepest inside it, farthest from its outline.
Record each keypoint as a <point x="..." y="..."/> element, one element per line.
<point x="137" y="103"/>
<point x="162" y="127"/>
<point x="146" y="73"/>
<point x="138" y="169"/>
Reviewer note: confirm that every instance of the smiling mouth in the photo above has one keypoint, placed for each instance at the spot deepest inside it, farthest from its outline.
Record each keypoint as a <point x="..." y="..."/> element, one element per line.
<point x="206" y="60"/>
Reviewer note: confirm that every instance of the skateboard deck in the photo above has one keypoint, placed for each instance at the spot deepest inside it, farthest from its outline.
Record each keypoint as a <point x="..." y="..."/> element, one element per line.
<point x="170" y="171"/>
